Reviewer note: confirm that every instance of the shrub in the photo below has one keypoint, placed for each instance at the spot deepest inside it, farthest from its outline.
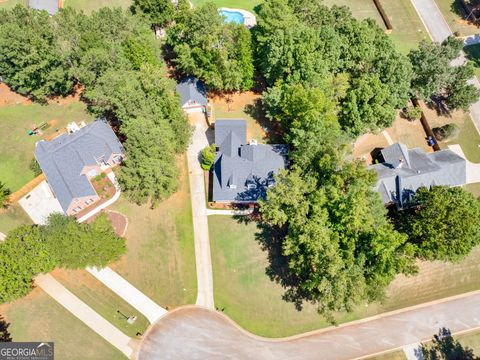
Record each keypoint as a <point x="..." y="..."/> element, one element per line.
<point x="412" y="113"/>
<point x="35" y="167"/>
<point x="208" y="156"/>
<point x="4" y="194"/>
<point x="446" y="132"/>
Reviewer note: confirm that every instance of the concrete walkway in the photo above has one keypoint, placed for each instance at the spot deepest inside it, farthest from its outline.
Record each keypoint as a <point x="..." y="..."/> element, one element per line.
<point x="473" y="169"/>
<point x="439" y="30"/>
<point x="129" y="293"/>
<point x="413" y="351"/>
<point x="86" y="314"/>
<point x="178" y="336"/>
<point x="199" y="212"/>
<point x="229" y="212"/>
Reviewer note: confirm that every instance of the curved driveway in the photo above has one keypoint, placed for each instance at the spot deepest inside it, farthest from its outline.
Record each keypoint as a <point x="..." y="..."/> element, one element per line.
<point x="198" y="333"/>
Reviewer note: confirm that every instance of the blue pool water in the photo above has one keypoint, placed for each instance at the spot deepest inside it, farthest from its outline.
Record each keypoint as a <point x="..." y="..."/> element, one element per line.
<point x="232" y="16"/>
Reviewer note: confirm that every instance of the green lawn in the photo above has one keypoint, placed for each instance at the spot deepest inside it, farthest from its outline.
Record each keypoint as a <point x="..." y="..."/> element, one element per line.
<point x="394" y="355"/>
<point x="450" y="11"/>
<point x="7" y="4"/>
<point x="160" y="257"/>
<point x="248" y="296"/>
<point x="38" y="317"/>
<point x="12" y="217"/>
<point x="101" y="299"/>
<point x="238" y="4"/>
<point x="91" y="5"/>
<point x="471" y="340"/>
<point x="473" y="54"/>
<point x="17" y="147"/>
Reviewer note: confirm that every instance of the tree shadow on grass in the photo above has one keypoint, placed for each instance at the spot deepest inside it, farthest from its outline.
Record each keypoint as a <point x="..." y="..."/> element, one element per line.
<point x="273" y="130"/>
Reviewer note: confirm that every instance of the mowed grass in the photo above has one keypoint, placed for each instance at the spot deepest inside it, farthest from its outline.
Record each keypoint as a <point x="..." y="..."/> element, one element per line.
<point x="12" y="217"/>
<point x="246" y="294"/>
<point x="8" y="4"/>
<point x="394" y="355"/>
<point x="17" y="147"/>
<point x="452" y="13"/>
<point x="473" y="54"/>
<point x="102" y="300"/>
<point x="160" y="258"/>
<point x="236" y="4"/>
<point x="470" y="340"/>
<point x="38" y="317"/>
<point x="92" y="5"/>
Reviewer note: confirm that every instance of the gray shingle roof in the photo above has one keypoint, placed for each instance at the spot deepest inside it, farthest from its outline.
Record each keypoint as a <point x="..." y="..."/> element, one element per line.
<point x="192" y="89"/>
<point x="243" y="172"/>
<point x="405" y="171"/>
<point x="63" y="159"/>
<point x="51" y="6"/>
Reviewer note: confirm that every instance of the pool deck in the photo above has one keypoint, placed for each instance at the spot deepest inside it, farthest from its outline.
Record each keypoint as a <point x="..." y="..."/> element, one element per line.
<point x="249" y="19"/>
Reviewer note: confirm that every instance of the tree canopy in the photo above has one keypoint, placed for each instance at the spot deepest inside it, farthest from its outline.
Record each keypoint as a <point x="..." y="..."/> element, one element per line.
<point x="159" y="12"/>
<point x="435" y="79"/>
<point x="445" y="347"/>
<point x="307" y="43"/>
<point x="31" y="249"/>
<point x="443" y="223"/>
<point x="217" y="52"/>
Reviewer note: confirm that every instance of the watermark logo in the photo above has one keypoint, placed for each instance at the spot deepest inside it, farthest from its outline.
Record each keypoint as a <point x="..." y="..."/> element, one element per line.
<point x="26" y="350"/>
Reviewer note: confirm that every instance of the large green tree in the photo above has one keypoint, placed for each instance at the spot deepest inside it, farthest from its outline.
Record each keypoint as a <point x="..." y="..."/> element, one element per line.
<point x="304" y="43"/>
<point x="219" y="53"/>
<point x="158" y="12"/>
<point x="76" y="246"/>
<point x="443" y="223"/>
<point x="24" y="254"/>
<point x="436" y="80"/>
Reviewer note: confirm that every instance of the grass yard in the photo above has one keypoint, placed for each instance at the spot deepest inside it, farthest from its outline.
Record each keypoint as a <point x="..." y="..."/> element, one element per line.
<point x="17" y="147"/>
<point x="12" y="217"/>
<point x="473" y="54"/>
<point x="394" y="355"/>
<point x="248" y="296"/>
<point x="471" y="340"/>
<point x="8" y="4"/>
<point x="160" y="257"/>
<point x="451" y="12"/>
<point x="408" y="29"/>
<point x="91" y="5"/>
<point x="101" y="299"/>
<point x="38" y="317"/>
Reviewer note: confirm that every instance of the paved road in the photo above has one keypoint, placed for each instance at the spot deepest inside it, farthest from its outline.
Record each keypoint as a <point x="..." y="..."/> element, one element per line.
<point x="195" y="333"/>
<point x="199" y="212"/>
<point x="86" y="314"/>
<point x="439" y="30"/>
<point x="129" y="293"/>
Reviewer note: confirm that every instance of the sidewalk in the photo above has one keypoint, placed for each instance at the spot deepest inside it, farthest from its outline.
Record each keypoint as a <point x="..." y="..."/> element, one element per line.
<point x="86" y="314"/>
<point x="129" y="293"/>
<point x="199" y="212"/>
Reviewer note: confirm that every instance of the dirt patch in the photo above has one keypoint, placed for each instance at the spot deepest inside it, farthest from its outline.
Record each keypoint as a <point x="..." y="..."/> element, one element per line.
<point x="9" y="97"/>
<point x="367" y="143"/>
<point x="65" y="100"/>
<point x="119" y="222"/>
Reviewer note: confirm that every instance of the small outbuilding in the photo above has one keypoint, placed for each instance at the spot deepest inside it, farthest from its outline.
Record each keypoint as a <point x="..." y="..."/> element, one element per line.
<point x="51" y="6"/>
<point x="193" y="95"/>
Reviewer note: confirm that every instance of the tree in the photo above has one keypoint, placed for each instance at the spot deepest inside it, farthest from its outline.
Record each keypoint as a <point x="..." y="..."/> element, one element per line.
<point x="23" y="255"/>
<point x="435" y="79"/>
<point x="205" y="46"/>
<point x="4" y="334"/>
<point x="35" y="167"/>
<point x="412" y="113"/>
<point x="443" y="223"/>
<point x="4" y="194"/>
<point x="31" y="62"/>
<point x="445" y="347"/>
<point x="159" y="12"/>
<point x="307" y="43"/>
<point x="208" y="156"/>
<point x="76" y="246"/>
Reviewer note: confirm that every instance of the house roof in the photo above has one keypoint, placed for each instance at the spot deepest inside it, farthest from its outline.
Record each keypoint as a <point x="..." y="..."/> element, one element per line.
<point x="63" y="159"/>
<point x="51" y="6"/>
<point x="238" y="165"/>
<point x="404" y="171"/>
<point x="192" y="89"/>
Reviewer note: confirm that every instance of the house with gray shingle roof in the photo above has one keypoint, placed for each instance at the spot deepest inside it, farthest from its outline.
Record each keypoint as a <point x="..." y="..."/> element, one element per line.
<point x="403" y="171"/>
<point x="70" y="160"/>
<point x="51" y="6"/>
<point x="193" y="95"/>
<point x="243" y="172"/>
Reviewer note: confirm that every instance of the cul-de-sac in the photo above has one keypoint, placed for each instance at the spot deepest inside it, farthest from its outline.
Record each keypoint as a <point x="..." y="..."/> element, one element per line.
<point x="239" y="179"/>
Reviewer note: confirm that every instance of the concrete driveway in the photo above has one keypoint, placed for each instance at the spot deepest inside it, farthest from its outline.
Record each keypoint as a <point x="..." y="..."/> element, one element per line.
<point x="198" y="333"/>
<point x="40" y="203"/>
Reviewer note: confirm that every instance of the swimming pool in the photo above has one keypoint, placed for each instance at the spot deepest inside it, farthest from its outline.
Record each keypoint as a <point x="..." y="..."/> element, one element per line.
<point x="233" y="16"/>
